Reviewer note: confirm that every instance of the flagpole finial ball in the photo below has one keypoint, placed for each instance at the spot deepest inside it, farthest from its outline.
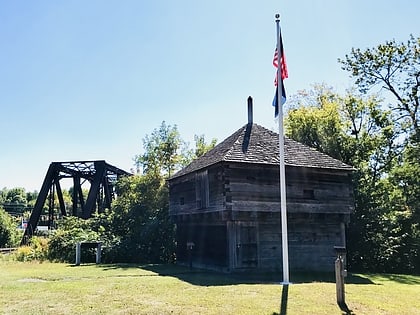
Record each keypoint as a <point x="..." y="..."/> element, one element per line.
<point x="277" y="16"/>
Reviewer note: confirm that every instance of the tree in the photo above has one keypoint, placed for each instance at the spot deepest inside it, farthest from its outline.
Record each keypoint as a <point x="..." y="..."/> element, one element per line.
<point x="162" y="154"/>
<point x="16" y="196"/>
<point x="350" y="128"/>
<point x="140" y="221"/>
<point x="165" y="152"/>
<point x="404" y="199"/>
<point x="381" y="236"/>
<point x="31" y="198"/>
<point x="201" y="147"/>
<point x="8" y="230"/>
<point x="14" y="200"/>
<point x="395" y="67"/>
<point x="315" y="120"/>
<point x="3" y="193"/>
<point x="140" y="216"/>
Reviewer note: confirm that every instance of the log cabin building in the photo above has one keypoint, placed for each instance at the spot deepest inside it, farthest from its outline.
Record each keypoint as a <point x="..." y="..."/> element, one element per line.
<point x="226" y="204"/>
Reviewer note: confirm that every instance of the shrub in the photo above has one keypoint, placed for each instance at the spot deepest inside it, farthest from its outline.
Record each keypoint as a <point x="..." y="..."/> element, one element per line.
<point x="9" y="235"/>
<point x="23" y="253"/>
<point x="36" y="250"/>
<point x="63" y="242"/>
<point x="40" y="247"/>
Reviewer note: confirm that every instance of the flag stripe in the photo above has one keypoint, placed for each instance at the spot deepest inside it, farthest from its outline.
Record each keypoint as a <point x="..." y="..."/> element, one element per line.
<point x="284" y="72"/>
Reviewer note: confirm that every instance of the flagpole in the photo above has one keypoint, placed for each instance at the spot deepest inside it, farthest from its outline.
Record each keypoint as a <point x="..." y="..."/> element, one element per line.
<point x="283" y="209"/>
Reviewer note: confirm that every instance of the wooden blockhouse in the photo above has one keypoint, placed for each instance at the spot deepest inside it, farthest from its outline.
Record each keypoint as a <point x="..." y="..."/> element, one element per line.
<point x="226" y="204"/>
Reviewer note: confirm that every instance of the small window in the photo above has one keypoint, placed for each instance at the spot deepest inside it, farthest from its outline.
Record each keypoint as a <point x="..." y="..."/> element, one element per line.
<point x="181" y="201"/>
<point x="202" y="190"/>
<point x="308" y="194"/>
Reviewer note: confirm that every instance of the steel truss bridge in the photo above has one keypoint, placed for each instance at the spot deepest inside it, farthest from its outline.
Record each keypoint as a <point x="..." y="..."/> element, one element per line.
<point x="102" y="178"/>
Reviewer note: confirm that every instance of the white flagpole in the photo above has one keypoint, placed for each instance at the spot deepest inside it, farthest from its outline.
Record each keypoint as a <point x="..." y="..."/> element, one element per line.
<point x="285" y="250"/>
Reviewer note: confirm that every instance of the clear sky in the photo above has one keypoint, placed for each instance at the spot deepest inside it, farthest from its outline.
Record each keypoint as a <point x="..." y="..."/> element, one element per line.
<point x="87" y="80"/>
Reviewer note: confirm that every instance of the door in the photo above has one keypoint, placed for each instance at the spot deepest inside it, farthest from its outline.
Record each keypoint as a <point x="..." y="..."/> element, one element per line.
<point x="246" y="245"/>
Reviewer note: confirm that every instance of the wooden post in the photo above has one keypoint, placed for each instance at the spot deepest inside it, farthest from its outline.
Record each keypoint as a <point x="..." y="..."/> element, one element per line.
<point x="190" y="246"/>
<point x="98" y="253"/>
<point x="79" y="246"/>
<point x="339" y="281"/>
<point x="340" y="273"/>
<point x="78" y="253"/>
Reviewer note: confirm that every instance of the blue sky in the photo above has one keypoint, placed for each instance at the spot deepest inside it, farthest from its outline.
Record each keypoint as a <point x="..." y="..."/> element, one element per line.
<point x="85" y="80"/>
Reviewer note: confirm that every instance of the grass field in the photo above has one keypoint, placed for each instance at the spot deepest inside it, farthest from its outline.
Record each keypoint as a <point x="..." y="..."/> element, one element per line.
<point x="47" y="288"/>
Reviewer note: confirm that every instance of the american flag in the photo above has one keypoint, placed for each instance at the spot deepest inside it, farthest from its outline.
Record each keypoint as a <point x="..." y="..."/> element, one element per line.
<point x="284" y="73"/>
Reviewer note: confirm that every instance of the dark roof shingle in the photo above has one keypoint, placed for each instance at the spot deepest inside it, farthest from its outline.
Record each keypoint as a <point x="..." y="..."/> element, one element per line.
<point x="255" y="144"/>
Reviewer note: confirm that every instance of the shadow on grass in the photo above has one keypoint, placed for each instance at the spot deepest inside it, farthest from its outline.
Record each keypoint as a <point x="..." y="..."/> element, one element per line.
<point x="400" y="278"/>
<point x="345" y="309"/>
<point x="203" y="277"/>
<point x="285" y="296"/>
<point x="284" y="299"/>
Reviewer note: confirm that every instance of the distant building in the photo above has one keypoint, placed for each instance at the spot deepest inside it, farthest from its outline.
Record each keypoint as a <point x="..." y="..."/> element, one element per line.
<point x="226" y="204"/>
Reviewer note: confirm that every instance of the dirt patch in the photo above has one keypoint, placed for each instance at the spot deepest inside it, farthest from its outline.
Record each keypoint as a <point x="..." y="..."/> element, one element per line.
<point x="31" y="280"/>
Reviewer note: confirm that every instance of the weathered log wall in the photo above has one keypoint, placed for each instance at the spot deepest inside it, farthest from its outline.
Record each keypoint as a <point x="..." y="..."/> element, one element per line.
<point x="240" y="226"/>
<point x="311" y="242"/>
<point x="182" y="194"/>
<point x="255" y="188"/>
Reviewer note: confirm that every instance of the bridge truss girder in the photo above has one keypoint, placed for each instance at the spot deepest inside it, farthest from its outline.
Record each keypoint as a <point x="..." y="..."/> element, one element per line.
<point x="99" y="174"/>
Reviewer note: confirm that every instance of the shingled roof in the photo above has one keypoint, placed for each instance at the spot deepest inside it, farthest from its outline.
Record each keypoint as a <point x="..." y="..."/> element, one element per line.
<point x="255" y="144"/>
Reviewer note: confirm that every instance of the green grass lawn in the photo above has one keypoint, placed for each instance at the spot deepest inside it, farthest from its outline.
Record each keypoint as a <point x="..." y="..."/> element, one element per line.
<point x="47" y="288"/>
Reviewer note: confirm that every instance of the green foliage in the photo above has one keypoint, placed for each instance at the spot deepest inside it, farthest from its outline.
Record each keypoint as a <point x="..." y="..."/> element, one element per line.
<point x="391" y="205"/>
<point x="405" y="180"/>
<point x="383" y="231"/>
<point x="9" y="235"/>
<point x="140" y="221"/>
<point x="71" y="230"/>
<point x="382" y="142"/>
<point x="315" y="120"/>
<point x="16" y="195"/>
<point x="23" y="253"/>
<point x="201" y="147"/>
<point x="165" y="152"/>
<point x="394" y="67"/>
<point x="350" y="128"/>
<point x="13" y="200"/>
<point x="36" y="250"/>
<point x="140" y="225"/>
<point x="138" y="228"/>
<point x="162" y="151"/>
